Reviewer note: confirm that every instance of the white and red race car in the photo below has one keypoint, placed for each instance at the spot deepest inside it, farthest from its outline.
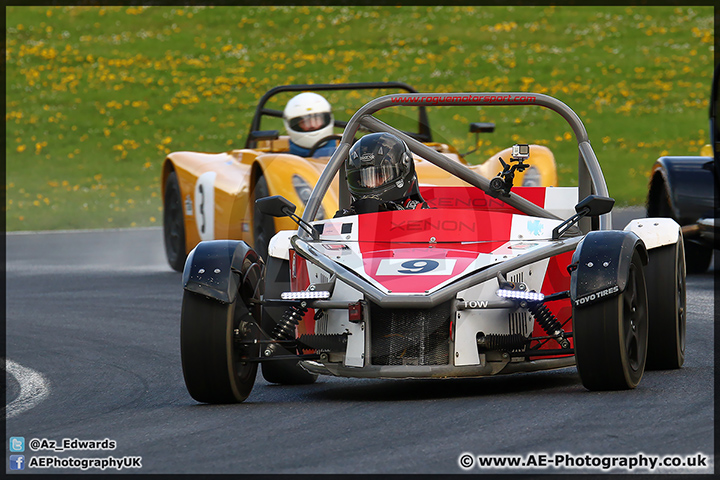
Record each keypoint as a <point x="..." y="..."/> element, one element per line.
<point x="492" y="279"/>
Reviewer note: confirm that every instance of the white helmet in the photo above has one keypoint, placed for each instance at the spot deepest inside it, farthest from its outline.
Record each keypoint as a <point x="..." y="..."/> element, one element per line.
<point x="308" y="118"/>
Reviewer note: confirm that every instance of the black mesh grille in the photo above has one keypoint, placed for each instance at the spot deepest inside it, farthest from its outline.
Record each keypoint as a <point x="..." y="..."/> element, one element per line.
<point x="404" y="336"/>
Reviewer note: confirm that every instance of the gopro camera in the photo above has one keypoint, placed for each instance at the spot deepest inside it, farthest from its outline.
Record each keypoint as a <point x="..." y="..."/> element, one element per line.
<point x="521" y="151"/>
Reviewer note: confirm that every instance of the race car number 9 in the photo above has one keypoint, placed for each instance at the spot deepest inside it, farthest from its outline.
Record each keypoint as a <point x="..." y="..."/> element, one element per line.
<point x="415" y="266"/>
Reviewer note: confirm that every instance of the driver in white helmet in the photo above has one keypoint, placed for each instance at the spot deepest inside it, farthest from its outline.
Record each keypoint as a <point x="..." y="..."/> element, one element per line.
<point x="308" y="120"/>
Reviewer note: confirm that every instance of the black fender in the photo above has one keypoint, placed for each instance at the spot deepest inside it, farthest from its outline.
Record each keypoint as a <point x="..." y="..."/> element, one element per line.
<point x="601" y="264"/>
<point x="689" y="184"/>
<point x="213" y="268"/>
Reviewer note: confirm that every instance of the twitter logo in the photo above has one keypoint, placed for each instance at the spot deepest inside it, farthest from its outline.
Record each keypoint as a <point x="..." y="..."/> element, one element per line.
<point x="17" y="444"/>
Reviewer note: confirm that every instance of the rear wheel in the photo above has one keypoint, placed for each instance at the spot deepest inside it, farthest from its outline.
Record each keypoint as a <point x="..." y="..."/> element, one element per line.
<point x="210" y="331"/>
<point x="611" y="336"/>
<point x="263" y="225"/>
<point x="174" y="224"/>
<point x="667" y="311"/>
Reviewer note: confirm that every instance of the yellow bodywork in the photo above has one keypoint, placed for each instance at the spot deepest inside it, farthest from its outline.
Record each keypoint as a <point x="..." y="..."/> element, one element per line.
<point x="232" y="177"/>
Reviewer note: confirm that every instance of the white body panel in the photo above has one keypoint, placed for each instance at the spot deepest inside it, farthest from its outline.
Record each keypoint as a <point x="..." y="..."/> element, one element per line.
<point x="655" y="232"/>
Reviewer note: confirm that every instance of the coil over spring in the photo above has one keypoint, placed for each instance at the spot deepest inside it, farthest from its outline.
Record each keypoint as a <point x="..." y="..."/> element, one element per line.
<point x="547" y="321"/>
<point x="497" y="341"/>
<point x="285" y="330"/>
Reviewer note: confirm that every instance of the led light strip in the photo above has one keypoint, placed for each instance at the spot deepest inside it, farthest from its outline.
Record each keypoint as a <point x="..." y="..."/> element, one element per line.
<point x="305" y="295"/>
<point x="520" y="295"/>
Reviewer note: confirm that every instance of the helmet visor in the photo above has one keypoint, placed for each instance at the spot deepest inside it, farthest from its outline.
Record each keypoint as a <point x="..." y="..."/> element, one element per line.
<point x="374" y="176"/>
<point x="310" y="122"/>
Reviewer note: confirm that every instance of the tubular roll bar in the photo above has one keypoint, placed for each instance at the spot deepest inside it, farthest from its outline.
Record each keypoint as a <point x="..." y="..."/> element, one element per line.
<point x="590" y="175"/>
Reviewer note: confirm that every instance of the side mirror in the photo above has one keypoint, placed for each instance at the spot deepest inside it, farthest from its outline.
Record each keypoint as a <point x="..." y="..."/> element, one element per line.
<point x="594" y="205"/>
<point x="590" y="206"/>
<point x="265" y="135"/>
<point x="482" y="127"/>
<point x="275" y="206"/>
<point x="478" y="128"/>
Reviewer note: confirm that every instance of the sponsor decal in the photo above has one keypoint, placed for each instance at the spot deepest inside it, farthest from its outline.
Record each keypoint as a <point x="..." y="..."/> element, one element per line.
<point x="522" y="246"/>
<point x="452" y="202"/>
<point x="419" y="266"/>
<point x="188" y="205"/>
<point x="596" y="296"/>
<point x="439" y="224"/>
<point x="535" y="227"/>
<point x="460" y="99"/>
<point x="476" y="304"/>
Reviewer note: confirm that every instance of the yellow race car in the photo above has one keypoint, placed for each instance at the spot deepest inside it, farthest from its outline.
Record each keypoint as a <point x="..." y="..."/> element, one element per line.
<point x="211" y="196"/>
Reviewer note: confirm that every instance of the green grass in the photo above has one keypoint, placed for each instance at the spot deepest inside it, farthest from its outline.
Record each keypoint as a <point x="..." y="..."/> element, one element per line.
<point x="96" y="96"/>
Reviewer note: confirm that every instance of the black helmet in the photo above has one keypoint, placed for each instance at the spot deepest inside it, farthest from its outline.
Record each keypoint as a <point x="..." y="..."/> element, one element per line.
<point x="381" y="166"/>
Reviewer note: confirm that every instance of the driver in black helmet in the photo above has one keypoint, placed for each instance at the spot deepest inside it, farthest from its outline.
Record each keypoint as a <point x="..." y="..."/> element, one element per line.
<point x="381" y="176"/>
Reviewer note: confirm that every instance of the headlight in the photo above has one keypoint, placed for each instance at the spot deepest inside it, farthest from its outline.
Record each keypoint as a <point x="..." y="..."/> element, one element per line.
<point x="531" y="178"/>
<point x="303" y="190"/>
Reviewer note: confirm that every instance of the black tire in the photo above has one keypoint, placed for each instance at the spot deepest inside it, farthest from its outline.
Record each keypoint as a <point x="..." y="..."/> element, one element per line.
<point x="665" y="274"/>
<point x="211" y="359"/>
<point x="174" y="224"/>
<point x="263" y="225"/>
<point x="611" y="336"/>
<point x="284" y="372"/>
<point x="697" y="257"/>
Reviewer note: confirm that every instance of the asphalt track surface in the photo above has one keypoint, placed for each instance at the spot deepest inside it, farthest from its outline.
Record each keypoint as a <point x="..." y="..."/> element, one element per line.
<point x="96" y="316"/>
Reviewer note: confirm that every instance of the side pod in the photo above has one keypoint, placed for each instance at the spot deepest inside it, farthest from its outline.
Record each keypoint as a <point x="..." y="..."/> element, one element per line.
<point x="213" y="268"/>
<point x="602" y="261"/>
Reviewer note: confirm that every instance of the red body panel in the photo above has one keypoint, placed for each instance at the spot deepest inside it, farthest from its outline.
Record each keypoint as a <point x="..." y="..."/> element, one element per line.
<point x="299" y="281"/>
<point x="442" y="225"/>
<point x="474" y="198"/>
<point x="429" y="241"/>
<point x="557" y="279"/>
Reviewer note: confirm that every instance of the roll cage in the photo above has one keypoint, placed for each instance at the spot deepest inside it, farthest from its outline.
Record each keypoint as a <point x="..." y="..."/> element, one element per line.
<point x="423" y="134"/>
<point x="590" y="177"/>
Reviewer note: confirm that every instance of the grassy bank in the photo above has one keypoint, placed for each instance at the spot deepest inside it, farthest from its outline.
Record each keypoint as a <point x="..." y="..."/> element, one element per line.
<point x="96" y="96"/>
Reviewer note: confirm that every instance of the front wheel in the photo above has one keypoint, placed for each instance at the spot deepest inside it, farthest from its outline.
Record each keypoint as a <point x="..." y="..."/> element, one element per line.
<point x="611" y="336"/>
<point x="211" y="339"/>
<point x="212" y="364"/>
<point x="174" y="224"/>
